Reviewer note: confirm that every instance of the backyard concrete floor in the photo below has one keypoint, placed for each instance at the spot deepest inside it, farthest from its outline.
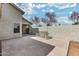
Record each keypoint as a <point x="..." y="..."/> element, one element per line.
<point x="25" y="46"/>
<point x="61" y="45"/>
<point x="18" y="46"/>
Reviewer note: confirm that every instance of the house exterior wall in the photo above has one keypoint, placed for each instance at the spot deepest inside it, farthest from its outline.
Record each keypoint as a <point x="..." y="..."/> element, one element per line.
<point x="0" y="10"/>
<point x="10" y="15"/>
<point x="0" y="19"/>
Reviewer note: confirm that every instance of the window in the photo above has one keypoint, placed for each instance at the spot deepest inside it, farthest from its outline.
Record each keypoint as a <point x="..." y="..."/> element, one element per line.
<point x="16" y="28"/>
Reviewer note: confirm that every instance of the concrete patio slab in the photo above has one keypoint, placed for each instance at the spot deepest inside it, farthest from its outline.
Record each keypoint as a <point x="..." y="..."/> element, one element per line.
<point x="25" y="46"/>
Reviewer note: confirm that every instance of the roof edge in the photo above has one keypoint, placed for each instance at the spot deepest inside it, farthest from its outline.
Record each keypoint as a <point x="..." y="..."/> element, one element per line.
<point x="26" y="20"/>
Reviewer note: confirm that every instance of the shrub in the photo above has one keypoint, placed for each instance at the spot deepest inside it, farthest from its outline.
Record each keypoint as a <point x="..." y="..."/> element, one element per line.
<point x="76" y="23"/>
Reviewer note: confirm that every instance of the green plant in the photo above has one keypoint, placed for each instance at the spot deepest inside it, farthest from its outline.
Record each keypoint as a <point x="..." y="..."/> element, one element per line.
<point x="76" y="23"/>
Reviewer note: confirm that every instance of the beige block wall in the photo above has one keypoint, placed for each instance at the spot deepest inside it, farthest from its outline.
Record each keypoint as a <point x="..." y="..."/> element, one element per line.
<point x="10" y="15"/>
<point x="68" y="32"/>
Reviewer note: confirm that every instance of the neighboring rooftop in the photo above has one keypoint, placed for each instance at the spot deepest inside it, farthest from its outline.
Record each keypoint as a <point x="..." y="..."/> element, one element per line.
<point x="26" y="20"/>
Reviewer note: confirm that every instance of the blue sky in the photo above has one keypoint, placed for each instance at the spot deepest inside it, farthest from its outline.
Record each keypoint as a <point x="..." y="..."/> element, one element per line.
<point x="39" y="9"/>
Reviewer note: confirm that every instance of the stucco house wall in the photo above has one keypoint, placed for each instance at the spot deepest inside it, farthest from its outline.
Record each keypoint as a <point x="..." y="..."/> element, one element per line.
<point x="0" y="10"/>
<point x="10" y="15"/>
<point x="0" y="19"/>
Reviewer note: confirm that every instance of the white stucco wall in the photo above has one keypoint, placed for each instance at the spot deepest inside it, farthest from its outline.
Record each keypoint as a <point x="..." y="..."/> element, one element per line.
<point x="0" y="19"/>
<point x="10" y="15"/>
<point x="0" y="10"/>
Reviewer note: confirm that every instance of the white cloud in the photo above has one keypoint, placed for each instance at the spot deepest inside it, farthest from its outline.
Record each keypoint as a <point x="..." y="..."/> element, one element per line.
<point x="63" y="6"/>
<point x="29" y="9"/>
<point x="39" y="5"/>
<point x="43" y="10"/>
<point x="70" y="12"/>
<point x="73" y="5"/>
<point x="50" y="10"/>
<point x="50" y="4"/>
<point x="59" y="13"/>
<point x="25" y="6"/>
<point x="67" y="6"/>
